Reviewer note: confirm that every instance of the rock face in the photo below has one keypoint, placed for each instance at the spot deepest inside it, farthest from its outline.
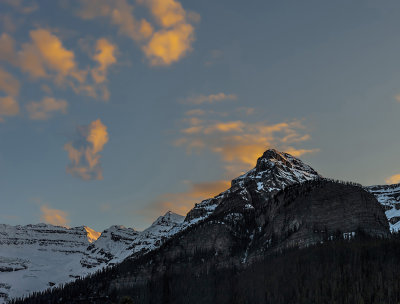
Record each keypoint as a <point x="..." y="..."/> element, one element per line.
<point x="389" y="197"/>
<point x="236" y="235"/>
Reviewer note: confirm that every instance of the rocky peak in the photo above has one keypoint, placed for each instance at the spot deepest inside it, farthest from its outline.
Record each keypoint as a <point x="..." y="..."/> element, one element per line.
<point x="274" y="171"/>
<point x="277" y="170"/>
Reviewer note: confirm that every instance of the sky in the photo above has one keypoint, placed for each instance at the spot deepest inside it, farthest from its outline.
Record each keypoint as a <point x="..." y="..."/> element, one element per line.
<point x="116" y="111"/>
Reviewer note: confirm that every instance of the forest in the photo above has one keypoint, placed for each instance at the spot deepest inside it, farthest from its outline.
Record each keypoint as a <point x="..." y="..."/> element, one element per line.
<point x="361" y="270"/>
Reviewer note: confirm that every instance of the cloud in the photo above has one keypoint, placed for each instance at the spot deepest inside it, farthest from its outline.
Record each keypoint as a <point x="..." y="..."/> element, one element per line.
<point x="184" y="201"/>
<point x="120" y="13"/>
<point x="45" y="57"/>
<point x="105" y="56"/>
<point x="299" y="152"/>
<point x="46" y="54"/>
<point x="169" y="45"/>
<point x="8" y="23"/>
<point x="8" y="83"/>
<point x="245" y="110"/>
<point x="54" y="216"/>
<point x="84" y="152"/>
<point x="21" y="6"/>
<point x="240" y="143"/>
<point x="45" y="108"/>
<point x="212" y="98"/>
<point x="175" y="34"/>
<point x="195" y="112"/>
<point x="8" y="107"/>
<point x="394" y="179"/>
<point x="7" y="48"/>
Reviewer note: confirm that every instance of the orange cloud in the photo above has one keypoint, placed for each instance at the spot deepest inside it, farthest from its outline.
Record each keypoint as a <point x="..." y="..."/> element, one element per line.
<point x="184" y="201"/>
<point x="164" y="46"/>
<point x="120" y="13"/>
<point x="8" y="83"/>
<point x="394" y="179"/>
<point x="8" y="107"/>
<point x="105" y="56"/>
<point x="46" y="53"/>
<point x="300" y="152"/>
<point x="84" y="153"/>
<point x="54" y="216"/>
<point x="238" y="143"/>
<point x="169" y="45"/>
<point x="45" y="57"/>
<point x="7" y="48"/>
<point x="195" y="112"/>
<point x="212" y="98"/>
<point x="45" y="108"/>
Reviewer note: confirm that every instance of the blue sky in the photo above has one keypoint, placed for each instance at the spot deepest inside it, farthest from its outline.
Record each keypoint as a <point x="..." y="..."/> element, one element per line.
<point x="113" y="112"/>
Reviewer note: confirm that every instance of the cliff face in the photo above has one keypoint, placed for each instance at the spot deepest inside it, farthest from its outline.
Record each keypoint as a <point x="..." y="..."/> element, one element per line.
<point x="246" y="227"/>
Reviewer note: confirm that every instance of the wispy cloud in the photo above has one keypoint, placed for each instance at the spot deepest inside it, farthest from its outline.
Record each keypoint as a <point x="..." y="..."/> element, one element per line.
<point x="164" y="45"/>
<point x="8" y="83"/>
<point x="54" y="216"/>
<point x="45" y="57"/>
<point x="212" y="98"/>
<point x="8" y="107"/>
<point x="24" y="7"/>
<point x="394" y="179"/>
<point x="46" y="108"/>
<point x="184" y="201"/>
<point x="84" y="152"/>
<point x="105" y="57"/>
<point x="240" y="143"/>
<point x="7" y="49"/>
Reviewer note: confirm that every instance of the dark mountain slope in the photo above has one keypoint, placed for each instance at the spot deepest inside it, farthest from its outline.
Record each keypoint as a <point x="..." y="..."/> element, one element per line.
<point x="244" y="229"/>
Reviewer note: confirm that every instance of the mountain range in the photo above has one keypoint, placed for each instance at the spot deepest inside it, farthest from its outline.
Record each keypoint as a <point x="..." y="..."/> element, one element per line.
<point x="280" y="204"/>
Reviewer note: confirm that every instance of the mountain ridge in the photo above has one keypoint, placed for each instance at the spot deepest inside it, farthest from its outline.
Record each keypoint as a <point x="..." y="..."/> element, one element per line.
<point x="274" y="172"/>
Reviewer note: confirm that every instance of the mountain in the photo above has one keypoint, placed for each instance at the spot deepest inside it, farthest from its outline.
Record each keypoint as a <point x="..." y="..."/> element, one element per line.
<point x="273" y="172"/>
<point x="389" y="197"/>
<point x="279" y="204"/>
<point x="36" y="257"/>
<point x="117" y="243"/>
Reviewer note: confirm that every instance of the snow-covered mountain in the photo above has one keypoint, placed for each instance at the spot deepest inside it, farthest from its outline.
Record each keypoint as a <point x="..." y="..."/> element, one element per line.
<point x="36" y="257"/>
<point x="389" y="197"/>
<point x="117" y="243"/>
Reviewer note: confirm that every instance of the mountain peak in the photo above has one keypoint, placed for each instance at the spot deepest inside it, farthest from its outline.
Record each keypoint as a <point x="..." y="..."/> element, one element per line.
<point x="274" y="171"/>
<point x="279" y="169"/>
<point x="92" y="235"/>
